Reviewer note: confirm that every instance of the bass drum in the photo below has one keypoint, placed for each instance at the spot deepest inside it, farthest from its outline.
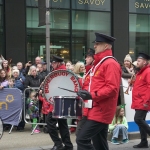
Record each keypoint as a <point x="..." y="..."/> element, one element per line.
<point x="60" y="78"/>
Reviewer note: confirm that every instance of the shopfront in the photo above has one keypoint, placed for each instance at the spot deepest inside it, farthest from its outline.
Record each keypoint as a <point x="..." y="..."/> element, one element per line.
<point x="72" y="27"/>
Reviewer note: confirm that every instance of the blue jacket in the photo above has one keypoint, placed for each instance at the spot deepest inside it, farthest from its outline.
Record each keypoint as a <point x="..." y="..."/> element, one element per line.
<point x="19" y="83"/>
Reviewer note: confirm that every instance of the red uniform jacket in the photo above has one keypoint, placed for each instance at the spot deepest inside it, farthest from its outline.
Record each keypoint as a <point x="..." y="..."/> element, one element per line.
<point x="105" y="80"/>
<point x="141" y="90"/>
<point x="46" y="106"/>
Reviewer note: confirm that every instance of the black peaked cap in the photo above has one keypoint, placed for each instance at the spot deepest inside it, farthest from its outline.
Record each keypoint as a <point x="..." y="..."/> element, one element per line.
<point x="144" y="56"/>
<point x="57" y="59"/>
<point x="104" y="38"/>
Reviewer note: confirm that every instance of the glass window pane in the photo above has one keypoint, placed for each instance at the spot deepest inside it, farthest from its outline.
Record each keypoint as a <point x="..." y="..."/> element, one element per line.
<point x="139" y="32"/>
<point x="59" y="34"/>
<point x="84" y="26"/>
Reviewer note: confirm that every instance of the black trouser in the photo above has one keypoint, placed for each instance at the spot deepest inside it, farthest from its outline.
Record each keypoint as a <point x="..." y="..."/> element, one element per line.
<point x="97" y="132"/>
<point x="63" y="128"/>
<point x="80" y="124"/>
<point x="144" y="128"/>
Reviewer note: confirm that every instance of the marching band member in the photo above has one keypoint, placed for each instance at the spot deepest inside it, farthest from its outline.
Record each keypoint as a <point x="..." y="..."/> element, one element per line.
<point x="89" y="59"/>
<point x="141" y="98"/>
<point x="103" y="90"/>
<point x="89" y="63"/>
<point x="57" y="64"/>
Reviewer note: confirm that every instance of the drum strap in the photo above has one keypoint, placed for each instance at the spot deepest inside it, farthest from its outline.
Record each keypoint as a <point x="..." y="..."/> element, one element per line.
<point x="95" y="67"/>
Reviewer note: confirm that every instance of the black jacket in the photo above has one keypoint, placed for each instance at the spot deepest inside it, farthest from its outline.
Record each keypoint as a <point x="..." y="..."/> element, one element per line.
<point x="125" y="73"/>
<point x="42" y="75"/>
<point x="32" y="81"/>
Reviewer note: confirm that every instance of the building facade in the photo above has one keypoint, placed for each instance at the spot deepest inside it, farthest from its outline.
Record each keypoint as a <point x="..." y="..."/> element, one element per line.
<point x="72" y="27"/>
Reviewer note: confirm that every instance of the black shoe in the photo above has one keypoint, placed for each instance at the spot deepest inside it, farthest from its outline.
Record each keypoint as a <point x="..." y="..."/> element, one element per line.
<point x="66" y="148"/>
<point x="140" y="146"/>
<point x="58" y="147"/>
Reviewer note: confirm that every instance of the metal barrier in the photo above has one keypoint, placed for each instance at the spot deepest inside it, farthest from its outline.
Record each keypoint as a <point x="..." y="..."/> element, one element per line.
<point x="26" y="94"/>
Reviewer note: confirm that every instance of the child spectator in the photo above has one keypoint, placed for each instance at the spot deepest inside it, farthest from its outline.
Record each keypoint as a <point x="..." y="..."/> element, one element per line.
<point x="119" y="126"/>
<point x="33" y="110"/>
<point x="11" y="83"/>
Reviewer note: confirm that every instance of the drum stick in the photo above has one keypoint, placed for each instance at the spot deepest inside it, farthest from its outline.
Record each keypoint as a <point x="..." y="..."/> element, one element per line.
<point x="67" y="90"/>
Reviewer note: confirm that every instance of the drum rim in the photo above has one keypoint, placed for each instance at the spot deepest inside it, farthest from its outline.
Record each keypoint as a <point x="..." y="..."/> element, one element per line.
<point x="64" y="97"/>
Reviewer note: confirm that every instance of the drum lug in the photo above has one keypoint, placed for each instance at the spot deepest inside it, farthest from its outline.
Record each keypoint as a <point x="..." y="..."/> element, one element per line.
<point x="69" y="110"/>
<point x="63" y="106"/>
<point x="75" y="106"/>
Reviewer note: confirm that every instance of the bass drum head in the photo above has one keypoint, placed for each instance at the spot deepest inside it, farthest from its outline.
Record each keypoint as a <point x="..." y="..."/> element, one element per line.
<point x="63" y="79"/>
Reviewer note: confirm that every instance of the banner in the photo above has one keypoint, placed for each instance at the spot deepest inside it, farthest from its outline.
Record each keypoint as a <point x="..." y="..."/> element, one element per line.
<point x="11" y="104"/>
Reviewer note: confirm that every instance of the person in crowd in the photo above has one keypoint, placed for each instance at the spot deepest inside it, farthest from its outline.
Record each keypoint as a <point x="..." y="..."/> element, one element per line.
<point x="72" y="68"/>
<point x="21" y="69"/>
<point x="57" y="63"/>
<point x="18" y="81"/>
<point x="127" y="69"/>
<point x="38" y="60"/>
<point x="3" y="79"/>
<point x="104" y="95"/>
<point x="79" y="69"/>
<point x="41" y="72"/>
<point x="6" y="67"/>
<point x="45" y="68"/>
<point x="4" y="84"/>
<point x="27" y="67"/>
<point x="11" y="83"/>
<point x="33" y="110"/>
<point x="32" y="80"/>
<point x="141" y="98"/>
<point x="119" y="126"/>
<point x="1" y="60"/>
<point x="68" y="65"/>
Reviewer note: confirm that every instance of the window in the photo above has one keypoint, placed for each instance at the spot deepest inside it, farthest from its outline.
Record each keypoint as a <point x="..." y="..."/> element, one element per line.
<point x="139" y="32"/>
<point x="71" y="31"/>
<point x="59" y="34"/>
<point x="84" y="26"/>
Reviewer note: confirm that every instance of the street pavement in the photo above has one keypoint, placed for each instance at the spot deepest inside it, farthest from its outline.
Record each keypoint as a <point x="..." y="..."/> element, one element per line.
<point x="41" y="141"/>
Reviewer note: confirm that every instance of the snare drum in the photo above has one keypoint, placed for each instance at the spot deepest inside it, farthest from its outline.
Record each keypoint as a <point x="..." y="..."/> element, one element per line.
<point x="67" y="107"/>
